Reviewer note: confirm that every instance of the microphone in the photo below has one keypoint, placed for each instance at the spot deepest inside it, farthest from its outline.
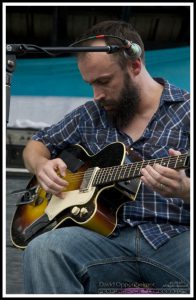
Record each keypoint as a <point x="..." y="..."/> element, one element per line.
<point x="132" y="50"/>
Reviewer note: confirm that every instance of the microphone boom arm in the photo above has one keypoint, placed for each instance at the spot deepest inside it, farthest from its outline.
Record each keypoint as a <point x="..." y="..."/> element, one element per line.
<point x="55" y="51"/>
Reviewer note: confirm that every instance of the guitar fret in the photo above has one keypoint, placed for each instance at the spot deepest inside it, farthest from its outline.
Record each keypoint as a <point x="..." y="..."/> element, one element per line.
<point x="138" y="167"/>
<point x="172" y="163"/>
<point x="115" y="172"/>
<point x="120" y="174"/>
<point x="97" y="178"/>
<point x="110" y="174"/>
<point x="181" y="162"/>
<point x="104" y="176"/>
<point x="163" y="163"/>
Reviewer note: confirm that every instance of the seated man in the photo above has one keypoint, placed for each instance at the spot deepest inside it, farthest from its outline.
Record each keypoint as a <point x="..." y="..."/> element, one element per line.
<point x="150" y="244"/>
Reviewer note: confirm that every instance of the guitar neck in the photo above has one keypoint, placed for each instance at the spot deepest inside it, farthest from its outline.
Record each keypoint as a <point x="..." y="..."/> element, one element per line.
<point x="133" y="170"/>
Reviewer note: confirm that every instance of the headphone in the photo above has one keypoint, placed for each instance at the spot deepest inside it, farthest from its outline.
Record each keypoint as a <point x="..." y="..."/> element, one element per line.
<point x="132" y="50"/>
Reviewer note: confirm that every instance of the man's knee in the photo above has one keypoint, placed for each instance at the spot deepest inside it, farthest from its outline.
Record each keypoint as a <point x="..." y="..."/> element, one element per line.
<point x="55" y="240"/>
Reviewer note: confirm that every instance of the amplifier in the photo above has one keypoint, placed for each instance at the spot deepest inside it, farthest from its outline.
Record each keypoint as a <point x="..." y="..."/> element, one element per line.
<point x="16" y="139"/>
<point x="14" y="156"/>
<point x="15" y="136"/>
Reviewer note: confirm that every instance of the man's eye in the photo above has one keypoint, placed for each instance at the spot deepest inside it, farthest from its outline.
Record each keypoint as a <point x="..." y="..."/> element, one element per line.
<point x="103" y="81"/>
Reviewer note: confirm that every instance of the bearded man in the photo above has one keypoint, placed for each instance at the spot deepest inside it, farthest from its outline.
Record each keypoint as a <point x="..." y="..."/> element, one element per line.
<point x="149" y="246"/>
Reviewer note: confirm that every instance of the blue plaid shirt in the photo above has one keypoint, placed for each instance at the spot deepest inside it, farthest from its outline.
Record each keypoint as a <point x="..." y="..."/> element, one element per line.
<point x="158" y="218"/>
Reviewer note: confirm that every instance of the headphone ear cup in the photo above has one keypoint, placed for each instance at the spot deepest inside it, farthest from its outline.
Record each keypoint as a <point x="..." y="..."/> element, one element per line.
<point x="134" y="52"/>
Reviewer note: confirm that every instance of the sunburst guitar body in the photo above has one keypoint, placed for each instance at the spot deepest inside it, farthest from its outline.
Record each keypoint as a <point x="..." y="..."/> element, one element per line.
<point x="98" y="187"/>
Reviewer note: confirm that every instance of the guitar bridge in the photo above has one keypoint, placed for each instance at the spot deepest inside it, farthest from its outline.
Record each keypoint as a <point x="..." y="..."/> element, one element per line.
<point x="88" y="179"/>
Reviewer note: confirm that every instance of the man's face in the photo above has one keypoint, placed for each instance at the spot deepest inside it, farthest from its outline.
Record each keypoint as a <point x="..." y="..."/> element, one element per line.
<point x="113" y="87"/>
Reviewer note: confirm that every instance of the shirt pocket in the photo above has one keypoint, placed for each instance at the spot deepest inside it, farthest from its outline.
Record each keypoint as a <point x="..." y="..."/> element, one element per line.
<point x="177" y="139"/>
<point x="161" y="141"/>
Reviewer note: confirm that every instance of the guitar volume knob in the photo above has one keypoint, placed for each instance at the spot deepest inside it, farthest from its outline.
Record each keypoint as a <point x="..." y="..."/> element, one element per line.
<point x="75" y="210"/>
<point x="83" y="211"/>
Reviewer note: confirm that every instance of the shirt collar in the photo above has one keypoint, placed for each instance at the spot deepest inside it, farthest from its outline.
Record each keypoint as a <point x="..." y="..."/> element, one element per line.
<point x="170" y="92"/>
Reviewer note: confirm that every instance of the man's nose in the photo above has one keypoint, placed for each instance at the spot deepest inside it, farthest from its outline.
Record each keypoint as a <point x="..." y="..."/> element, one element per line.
<point x="98" y="94"/>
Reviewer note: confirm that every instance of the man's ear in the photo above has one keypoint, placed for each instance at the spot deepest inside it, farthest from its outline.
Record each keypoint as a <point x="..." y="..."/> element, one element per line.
<point x="135" y="66"/>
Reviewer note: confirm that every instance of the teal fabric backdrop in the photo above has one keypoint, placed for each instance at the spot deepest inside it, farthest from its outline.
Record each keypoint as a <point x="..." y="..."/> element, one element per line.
<point x="60" y="76"/>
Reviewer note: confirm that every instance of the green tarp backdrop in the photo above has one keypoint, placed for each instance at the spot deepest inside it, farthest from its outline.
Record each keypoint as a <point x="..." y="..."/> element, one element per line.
<point x="60" y="76"/>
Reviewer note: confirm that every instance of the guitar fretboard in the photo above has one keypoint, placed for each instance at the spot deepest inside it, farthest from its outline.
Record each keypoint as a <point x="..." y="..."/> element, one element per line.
<point x="128" y="171"/>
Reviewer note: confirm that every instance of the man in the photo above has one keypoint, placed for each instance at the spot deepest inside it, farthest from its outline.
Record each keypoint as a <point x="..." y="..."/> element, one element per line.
<point x="150" y="245"/>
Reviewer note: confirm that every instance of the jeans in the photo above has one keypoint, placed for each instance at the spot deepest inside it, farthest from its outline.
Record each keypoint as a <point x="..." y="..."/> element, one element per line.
<point x="75" y="260"/>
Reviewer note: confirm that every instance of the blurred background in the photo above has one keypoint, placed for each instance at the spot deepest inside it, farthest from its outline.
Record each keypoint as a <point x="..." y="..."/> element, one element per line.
<point x="44" y="89"/>
<point x="159" y="26"/>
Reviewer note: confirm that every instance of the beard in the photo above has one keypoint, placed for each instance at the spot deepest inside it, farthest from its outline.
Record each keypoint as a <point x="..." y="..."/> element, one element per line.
<point x="125" y="107"/>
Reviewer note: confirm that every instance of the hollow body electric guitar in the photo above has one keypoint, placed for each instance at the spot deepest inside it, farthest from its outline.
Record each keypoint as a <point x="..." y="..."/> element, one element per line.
<point x="98" y="186"/>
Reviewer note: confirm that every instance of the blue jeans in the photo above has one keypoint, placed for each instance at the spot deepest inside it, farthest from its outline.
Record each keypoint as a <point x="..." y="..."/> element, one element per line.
<point x="74" y="260"/>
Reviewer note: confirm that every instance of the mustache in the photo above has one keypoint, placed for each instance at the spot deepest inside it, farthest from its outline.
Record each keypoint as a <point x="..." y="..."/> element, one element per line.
<point x="105" y="102"/>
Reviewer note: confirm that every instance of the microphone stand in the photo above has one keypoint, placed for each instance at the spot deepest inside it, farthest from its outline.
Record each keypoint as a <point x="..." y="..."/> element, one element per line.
<point x="13" y="50"/>
<point x="10" y="67"/>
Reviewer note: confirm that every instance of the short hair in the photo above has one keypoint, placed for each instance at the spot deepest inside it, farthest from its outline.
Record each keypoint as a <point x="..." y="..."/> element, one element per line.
<point x="121" y="29"/>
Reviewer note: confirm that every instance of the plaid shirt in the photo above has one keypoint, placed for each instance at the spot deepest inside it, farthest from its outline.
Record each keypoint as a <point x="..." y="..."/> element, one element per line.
<point x="158" y="218"/>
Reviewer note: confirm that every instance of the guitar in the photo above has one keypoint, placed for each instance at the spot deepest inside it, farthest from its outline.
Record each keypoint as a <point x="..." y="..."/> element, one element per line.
<point x="98" y="186"/>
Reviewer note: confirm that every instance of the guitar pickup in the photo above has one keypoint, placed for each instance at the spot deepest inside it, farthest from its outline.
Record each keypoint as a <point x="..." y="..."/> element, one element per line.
<point x="88" y="179"/>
